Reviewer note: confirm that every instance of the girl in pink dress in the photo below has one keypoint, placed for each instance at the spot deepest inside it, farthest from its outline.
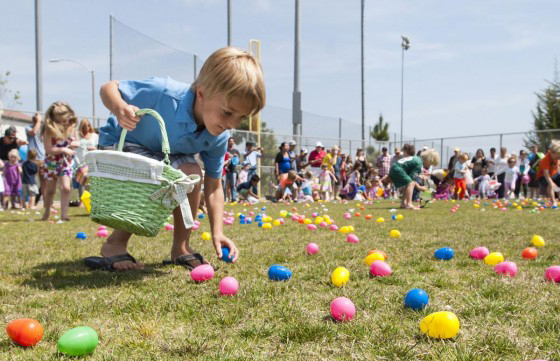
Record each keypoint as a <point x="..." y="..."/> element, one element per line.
<point x="12" y="177"/>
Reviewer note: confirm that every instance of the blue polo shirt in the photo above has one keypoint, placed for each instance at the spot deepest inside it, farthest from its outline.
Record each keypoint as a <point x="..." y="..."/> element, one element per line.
<point x="174" y="101"/>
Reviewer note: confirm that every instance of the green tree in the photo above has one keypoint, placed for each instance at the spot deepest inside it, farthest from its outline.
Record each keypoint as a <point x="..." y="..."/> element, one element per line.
<point x="8" y="97"/>
<point x="546" y="116"/>
<point x="380" y="130"/>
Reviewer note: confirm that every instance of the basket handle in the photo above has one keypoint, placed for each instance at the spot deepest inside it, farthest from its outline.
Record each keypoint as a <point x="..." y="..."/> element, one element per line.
<point x="164" y="141"/>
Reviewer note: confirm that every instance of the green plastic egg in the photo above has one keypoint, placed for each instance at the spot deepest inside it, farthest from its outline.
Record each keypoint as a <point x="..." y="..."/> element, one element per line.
<point x="78" y="341"/>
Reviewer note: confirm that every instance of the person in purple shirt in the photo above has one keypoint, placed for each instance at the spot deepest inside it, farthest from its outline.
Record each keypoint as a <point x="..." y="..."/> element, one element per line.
<point x="197" y="117"/>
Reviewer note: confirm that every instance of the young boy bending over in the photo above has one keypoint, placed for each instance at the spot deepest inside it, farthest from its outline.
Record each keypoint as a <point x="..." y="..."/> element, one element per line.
<point x="197" y="118"/>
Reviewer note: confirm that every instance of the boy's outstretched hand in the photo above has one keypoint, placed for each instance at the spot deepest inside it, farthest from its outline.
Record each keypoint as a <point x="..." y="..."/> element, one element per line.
<point x="222" y="241"/>
<point x="126" y="115"/>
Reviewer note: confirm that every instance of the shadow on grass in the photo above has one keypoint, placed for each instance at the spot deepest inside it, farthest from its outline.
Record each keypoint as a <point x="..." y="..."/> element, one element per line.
<point x="74" y="274"/>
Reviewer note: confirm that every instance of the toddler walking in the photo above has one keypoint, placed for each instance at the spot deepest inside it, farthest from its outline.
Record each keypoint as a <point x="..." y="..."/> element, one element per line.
<point x="29" y="184"/>
<point x="12" y="178"/>
<point x="511" y="177"/>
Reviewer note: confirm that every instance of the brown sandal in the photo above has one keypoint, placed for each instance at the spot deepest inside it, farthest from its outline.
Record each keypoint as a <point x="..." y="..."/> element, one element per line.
<point x="189" y="261"/>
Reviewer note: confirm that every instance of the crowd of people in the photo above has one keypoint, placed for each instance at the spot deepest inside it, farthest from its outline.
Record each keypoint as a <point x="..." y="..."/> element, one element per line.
<point x="52" y="157"/>
<point x="328" y="174"/>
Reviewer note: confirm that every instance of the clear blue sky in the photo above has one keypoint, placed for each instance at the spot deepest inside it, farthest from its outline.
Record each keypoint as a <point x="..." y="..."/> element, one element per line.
<point x="473" y="67"/>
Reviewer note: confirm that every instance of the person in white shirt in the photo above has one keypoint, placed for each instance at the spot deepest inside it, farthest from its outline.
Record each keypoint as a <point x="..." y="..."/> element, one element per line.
<point x="483" y="181"/>
<point x="491" y="162"/>
<point x="501" y="166"/>
<point x="523" y="180"/>
<point x="510" y="177"/>
<point x="251" y="157"/>
<point x="459" y="173"/>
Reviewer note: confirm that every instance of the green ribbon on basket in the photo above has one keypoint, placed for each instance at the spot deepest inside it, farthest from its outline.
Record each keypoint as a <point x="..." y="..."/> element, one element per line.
<point x="177" y="191"/>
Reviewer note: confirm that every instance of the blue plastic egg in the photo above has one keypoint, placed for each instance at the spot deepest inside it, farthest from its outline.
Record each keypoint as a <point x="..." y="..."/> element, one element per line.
<point x="248" y="221"/>
<point x="416" y="299"/>
<point x="201" y="215"/>
<point x="394" y="217"/>
<point x="81" y="235"/>
<point x="241" y="216"/>
<point x="225" y="255"/>
<point x="277" y="272"/>
<point x="242" y="221"/>
<point x="263" y="209"/>
<point x="444" y="253"/>
<point x="260" y="224"/>
<point x="258" y="218"/>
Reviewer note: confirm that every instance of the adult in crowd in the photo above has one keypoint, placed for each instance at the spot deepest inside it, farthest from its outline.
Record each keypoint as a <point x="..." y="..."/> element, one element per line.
<point x="534" y="159"/>
<point x="477" y="163"/>
<point x="361" y="158"/>
<point x="282" y="162"/>
<point x="251" y="157"/>
<point x="316" y="159"/>
<point x="454" y="158"/>
<point x="491" y="162"/>
<point x="548" y="176"/>
<point x="338" y="173"/>
<point x="501" y="166"/>
<point x="10" y="141"/>
<point x="230" y="181"/>
<point x="292" y="153"/>
<point x="88" y="142"/>
<point x="301" y="161"/>
<point x="345" y="168"/>
<point x="35" y="140"/>
<point x="396" y="156"/>
<point x="384" y="162"/>
<point x="330" y="160"/>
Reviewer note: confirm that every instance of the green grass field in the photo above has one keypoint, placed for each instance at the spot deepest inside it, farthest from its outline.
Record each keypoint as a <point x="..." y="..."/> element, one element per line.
<point x="160" y="314"/>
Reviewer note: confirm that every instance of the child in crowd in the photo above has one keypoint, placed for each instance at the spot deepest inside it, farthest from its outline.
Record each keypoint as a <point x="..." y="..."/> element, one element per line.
<point x="12" y="178"/>
<point x="243" y="174"/>
<point x="229" y="88"/>
<point x="353" y="181"/>
<point x="59" y="137"/>
<point x="287" y="188"/>
<point x="510" y="179"/>
<point x="459" y="175"/>
<point x="483" y="181"/>
<point x="29" y="184"/>
<point x="325" y="181"/>
<point x="373" y="188"/>
<point x="245" y="190"/>
<point x="405" y="170"/>
<point x="307" y="184"/>
<point x="1" y="185"/>
<point x="547" y="175"/>
<point x="443" y="190"/>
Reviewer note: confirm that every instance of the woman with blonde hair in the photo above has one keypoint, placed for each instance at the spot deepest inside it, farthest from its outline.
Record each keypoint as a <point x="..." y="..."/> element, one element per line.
<point x="88" y="141"/>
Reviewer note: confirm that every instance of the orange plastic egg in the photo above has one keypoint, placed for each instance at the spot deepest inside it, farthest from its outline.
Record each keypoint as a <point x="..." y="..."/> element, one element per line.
<point x="25" y="331"/>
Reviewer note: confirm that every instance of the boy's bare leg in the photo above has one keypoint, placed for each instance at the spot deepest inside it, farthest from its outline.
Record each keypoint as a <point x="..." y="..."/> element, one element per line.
<point x="48" y="195"/>
<point x="181" y="235"/>
<point x="117" y="244"/>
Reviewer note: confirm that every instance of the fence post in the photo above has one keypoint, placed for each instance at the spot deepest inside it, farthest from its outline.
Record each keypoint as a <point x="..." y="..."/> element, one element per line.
<point x="339" y="131"/>
<point x="413" y="142"/>
<point x="501" y="138"/>
<point x="441" y="154"/>
<point x="350" y="151"/>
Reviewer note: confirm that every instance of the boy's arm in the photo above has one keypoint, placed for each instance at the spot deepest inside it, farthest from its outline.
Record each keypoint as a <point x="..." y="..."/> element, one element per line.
<point x="214" y="197"/>
<point x="112" y="99"/>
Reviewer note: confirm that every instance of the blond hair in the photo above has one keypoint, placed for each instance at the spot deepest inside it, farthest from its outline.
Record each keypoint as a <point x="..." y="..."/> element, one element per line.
<point x="85" y="128"/>
<point x="464" y="156"/>
<point x="14" y="152"/>
<point x="53" y="116"/>
<point x="234" y="73"/>
<point x="431" y="156"/>
<point x="555" y="146"/>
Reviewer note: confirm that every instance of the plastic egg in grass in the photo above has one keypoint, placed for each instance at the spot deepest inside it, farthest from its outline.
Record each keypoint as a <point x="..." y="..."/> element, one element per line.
<point x="494" y="258"/>
<point x="25" y="331"/>
<point x="444" y="253"/>
<point x="394" y="233"/>
<point x="202" y="273"/>
<point x="340" y="276"/>
<point x="229" y="286"/>
<point x="372" y="257"/>
<point x="552" y="273"/>
<point x="416" y="299"/>
<point x="378" y="251"/>
<point x="441" y="324"/>
<point x="507" y="268"/>
<point x="529" y="253"/>
<point x="344" y="229"/>
<point x="78" y="341"/>
<point x="266" y="226"/>
<point x="342" y="309"/>
<point x="380" y="269"/>
<point x="277" y="272"/>
<point x="479" y="252"/>
<point x="206" y="236"/>
<point x="537" y="241"/>
<point x="312" y="248"/>
<point x="352" y="238"/>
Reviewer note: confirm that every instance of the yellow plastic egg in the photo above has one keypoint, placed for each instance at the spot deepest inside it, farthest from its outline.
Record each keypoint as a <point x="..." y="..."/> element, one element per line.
<point x="443" y="324"/>
<point x="537" y="241"/>
<point x="329" y="221"/>
<point x="319" y="219"/>
<point x="267" y="219"/>
<point x="344" y="230"/>
<point x="380" y="220"/>
<point x="400" y="217"/>
<point x="266" y="226"/>
<point x="394" y="234"/>
<point x="237" y="215"/>
<point x="380" y="192"/>
<point x="351" y="228"/>
<point x="340" y="276"/>
<point x="494" y="258"/>
<point x="519" y="208"/>
<point x="476" y="205"/>
<point x="307" y="221"/>
<point x="372" y="257"/>
<point x="206" y="236"/>
<point x="283" y="214"/>
<point x="276" y="223"/>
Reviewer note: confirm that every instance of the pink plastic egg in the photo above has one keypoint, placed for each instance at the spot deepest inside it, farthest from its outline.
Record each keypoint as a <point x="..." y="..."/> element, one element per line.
<point x="323" y="224"/>
<point x="380" y="269"/>
<point x="169" y="227"/>
<point x="202" y="273"/>
<point x="102" y="233"/>
<point x="342" y="309"/>
<point x="282" y="221"/>
<point x="228" y="286"/>
<point x="352" y="238"/>
<point x="479" y="252"/>
<point x="553" y="274"/>
<point x="101" y="228"/>
<point x="251" y="214"/>
<point x="314" y="214"/>
<point x="347" y="215"/>
<point x="197" y="223"/>
<point x="312" y="248"/>
<point x="333" y="227"/>
<point x="507" y="268"/>
<point x="311" y="227"/>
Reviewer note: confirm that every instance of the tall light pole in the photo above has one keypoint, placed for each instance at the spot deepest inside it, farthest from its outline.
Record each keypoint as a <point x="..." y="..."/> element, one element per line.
<point x="38" y="60"/>
<point x="229" y="22"/>
<point x="92" y="82"/>
<point x="405" y="45"/>
<point x="362" y="72"/>
<point x="296" y="97"/>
